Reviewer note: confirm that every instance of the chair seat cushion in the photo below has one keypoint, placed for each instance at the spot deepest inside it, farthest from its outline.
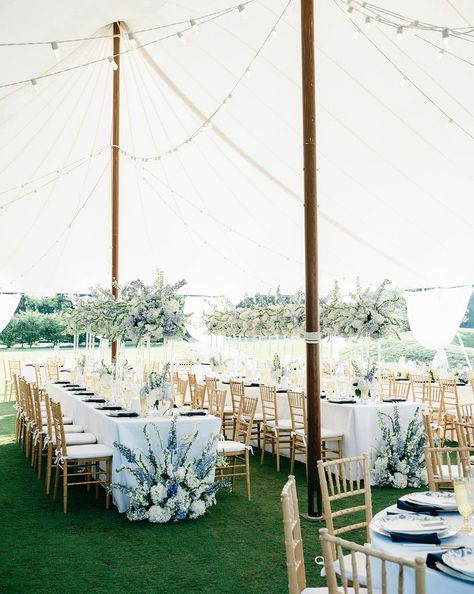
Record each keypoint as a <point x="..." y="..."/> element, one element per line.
<point x="283" y="424"/>
<point x="228" y="446"/>
<point x="228" y="410"/>
<point x="75" y="439"/>
<point x="68" y="428"/>
<point x="88" y="452"/>
<point x="66" y="421"/>
<point x="451" y="412"/>
<point x="258" y="418"/>
<point x="299" y="432"/>
<point x="328" y="433"/>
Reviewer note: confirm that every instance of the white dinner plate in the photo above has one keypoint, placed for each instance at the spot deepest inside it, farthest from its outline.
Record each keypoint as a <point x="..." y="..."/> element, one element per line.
<point x="411" y="524"/>
<point x="453" y="573"/>
<point x="444" y="500"/>
<point x="378" y="526"/>
<point x="461" y="560"/>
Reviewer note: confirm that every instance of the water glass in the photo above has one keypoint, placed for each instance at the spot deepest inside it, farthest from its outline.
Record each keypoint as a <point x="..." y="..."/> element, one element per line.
<point x="463" y="502"/>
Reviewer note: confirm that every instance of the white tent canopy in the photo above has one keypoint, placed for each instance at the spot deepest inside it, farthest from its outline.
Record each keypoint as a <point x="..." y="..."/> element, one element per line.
<point x="225" y="210"/>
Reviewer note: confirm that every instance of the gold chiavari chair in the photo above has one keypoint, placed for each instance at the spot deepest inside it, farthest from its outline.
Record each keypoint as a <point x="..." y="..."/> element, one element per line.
<point x="431" y="431"/>
<point x="40" y="377"/>
<point x="18" y="407"/>
<point x="199" y="396"/>
<point x="237" y="392"/>
<point x="466" y="412"/>
<point x="443" y="465"/>
<point x="14" y="368"/>
<point x="181" y="388"/>
<point x="386" y="377"/>
<point x="74" y="435"/>
<point x="192" y="387"/>
<point x="451" y="403"/>
<point x="238" y="451"/>
<point x="436" y="408"/>
<point x="89" y="459"/>
<point x="211" y="383"/>
<point x="294" y="541"/>
<point x="28" y="416"/>
<point x="377" y="576"/>
<point x="398" y="390"/>
<point x="51" y="371"/>
<point x="275" y="431"/>
<point x="217" y="407"/>
<point x="420" y="387"/>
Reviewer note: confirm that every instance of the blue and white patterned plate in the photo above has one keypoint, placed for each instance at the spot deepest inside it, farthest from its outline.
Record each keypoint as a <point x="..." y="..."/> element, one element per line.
<point x="461" y="560"/>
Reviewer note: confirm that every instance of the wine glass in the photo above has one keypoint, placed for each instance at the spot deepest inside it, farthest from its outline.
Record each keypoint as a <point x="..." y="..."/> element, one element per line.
<point x="463" y="502"/>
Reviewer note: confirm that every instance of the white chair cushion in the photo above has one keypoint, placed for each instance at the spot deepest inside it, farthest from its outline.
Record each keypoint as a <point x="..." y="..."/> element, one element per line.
<point x="283" y="424"/>
<point x="328" y="433"/>
<point x="66" y="421"/>
<point x="229" y="446"/>
<point x="299" y="432"/>
<point x="74" y="439"/>
<point x="452" y="412"/>
<point x="96" y="450"/>
<point x="258" y="418"/>
<point x="228" y="410"/>
<point x="68" y="428"/>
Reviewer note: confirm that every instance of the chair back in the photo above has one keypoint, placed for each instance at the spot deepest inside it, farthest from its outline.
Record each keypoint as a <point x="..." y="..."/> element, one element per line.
<point x="35" y="394"/>
<point x="420" y="387"/>
<point x="450" y="392"/>
<point x="49" y="417"/>
<point x="199" y="396"/>
<point x="465" y="434"/>
<point x="466" y="413"/>
<point x="211" y="396"/>
<point x="211" y="383"/>
<point x="268" y="398"/>
<point x="378" y="578"/>
<point x="293" y="539"/>
<point x="14" y="367"/>
<point x="443" y="465"/>
<point x="51" y="369"/>
<point x="436" y="404"/>
<point x="16" y="390"/>
<point x="27" y="400"/>
<point x="58" y="427"/>
<point x="39" y="375"/>
<point x="192" y="386"/>
<point x="297" y="403"/>
<point x="245" y="417"/>
<point x="346" y="479"/>
<point x="218" y="406"/>
<point x="237" y="392"/>
<point x="181" y="388"/>
<point x="399" y="390"/>
<point x="428" y="430"/>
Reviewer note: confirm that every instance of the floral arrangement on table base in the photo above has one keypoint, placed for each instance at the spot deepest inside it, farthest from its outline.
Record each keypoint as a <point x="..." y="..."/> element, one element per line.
<point x="172" y="488"/>
<point x="158" y="388"/>
<point x="400" y="461"/>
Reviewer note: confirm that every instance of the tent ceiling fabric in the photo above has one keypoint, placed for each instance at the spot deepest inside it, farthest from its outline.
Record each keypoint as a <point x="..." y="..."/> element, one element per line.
<point x="225" y="211"/>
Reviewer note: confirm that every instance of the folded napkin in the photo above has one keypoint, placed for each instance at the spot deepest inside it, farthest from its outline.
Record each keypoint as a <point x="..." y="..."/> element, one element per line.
<point x="431" y="510"/>
<point x="394" y="400"/>
<point x="29" y="365"/>
<point x="433" y="558"/>
<point x="69" y="384"/>
<point x="109" y="407"/>
<point x="342" y="401"/>
<point x="65" y="383"/>
<point x="122" y="413"/>
<point x="431" y="538"/>
<point x="94" y="400"/>
<point x="193" y="413"/>
<point x="84" y="393"/>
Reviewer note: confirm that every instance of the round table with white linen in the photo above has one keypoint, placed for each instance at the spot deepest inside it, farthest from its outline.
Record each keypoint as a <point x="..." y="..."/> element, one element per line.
<point x="436" y="581"/>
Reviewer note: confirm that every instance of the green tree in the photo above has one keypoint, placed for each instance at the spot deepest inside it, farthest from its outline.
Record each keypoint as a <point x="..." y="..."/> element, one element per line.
<point x="29" y="327"/>
<point x="52" y="328"/>
<point x="9" y="335"/>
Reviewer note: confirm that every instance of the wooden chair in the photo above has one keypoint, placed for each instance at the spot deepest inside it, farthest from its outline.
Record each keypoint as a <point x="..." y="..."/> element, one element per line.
<point x="180" y="395"/>
<point x="294" y="542"/>
<point x="465" y="434"/>
<point x="431" y="430"/>
<point x="238" y="451"/>
<point x="18" y="407"/>
<point x="217" y="407"/>
<point x="343" y="479"/>
<point x="331" y="441"/>
<point x="199" y="396"/>
<point x="276" y="431"/>
<point x="89" y="459"/>
<point x="466" y="413"/>
<point x="399" y="390"/>
<point x="192" y="387"/>
<point x="237" y="392"/>
<point x="420" y="387"/>
<point x="436" y="407"/>
<point x="377" y="577"/>
<point x="443" y="465"/>
<point x="451" y="404"/>
<point x="51" y="371"/>
<point x="11" y="369"/>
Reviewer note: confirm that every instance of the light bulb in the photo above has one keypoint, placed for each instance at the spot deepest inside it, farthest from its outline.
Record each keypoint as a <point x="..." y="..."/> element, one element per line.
<point x="35" y="85"/>
<point x="131" y="38"/>
<point x="274" y="32"/>
<point x="349" y="11"/>
<point x="441" y="54"/>
<point x="399" y="34"/>
<point x="449" y="123"/>
<point x="248" y="71"/>
<point x="445" y="37"/>
<point x="356" y="33"/>
<point x="228" y="99"/>
<point x="194" y="24"/>
<point x="413" y="27"/>
<point x="368" y="22"/>
<point x="113" y="63"/>
<point x="403" y="81"/>
<point x="55" y="48"/>
<point x="241" y="8"/>
<point x="181" y="37"/>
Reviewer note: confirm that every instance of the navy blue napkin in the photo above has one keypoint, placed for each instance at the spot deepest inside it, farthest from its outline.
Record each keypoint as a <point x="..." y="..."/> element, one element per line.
<point x="122" y="413"/>
<point x="431" y="538"/>
<point x="431" y="510"/>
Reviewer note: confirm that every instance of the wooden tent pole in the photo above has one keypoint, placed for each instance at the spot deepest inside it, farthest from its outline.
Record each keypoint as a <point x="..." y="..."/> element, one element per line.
<point x="313" y="379"/>
<point x="115" y="169"/>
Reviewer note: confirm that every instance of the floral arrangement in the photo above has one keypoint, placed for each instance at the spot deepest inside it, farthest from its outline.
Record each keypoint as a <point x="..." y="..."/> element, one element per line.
<point x="158" y="386"/>
<point x="367" y="373"/>
<point x="400" y="461"/>
<point x="142" y="312"/>
<point x="172" y="488"/>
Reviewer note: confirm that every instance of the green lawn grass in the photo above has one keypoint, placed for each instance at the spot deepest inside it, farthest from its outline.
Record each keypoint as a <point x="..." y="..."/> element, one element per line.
<point x="238" y="547"/>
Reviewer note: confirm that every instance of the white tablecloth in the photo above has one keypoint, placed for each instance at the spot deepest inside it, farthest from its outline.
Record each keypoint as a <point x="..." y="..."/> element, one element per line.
<point x="436" y="581"/>
<point x="129" y="431"/>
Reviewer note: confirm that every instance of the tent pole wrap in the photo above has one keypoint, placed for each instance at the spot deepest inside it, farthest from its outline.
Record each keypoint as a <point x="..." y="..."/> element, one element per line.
<point x="115" y="169"/>
<point x="313" y="380"/>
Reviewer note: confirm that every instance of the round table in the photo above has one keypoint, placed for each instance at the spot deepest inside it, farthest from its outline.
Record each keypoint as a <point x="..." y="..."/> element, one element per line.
<point x="436" y="581"/>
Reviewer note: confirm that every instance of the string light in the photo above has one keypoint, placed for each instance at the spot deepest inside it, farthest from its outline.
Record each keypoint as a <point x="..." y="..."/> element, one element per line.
<point x="449" y="122"/>
<point x="35" y="85"/>
<point x="399" y="34"/>
<point x="194" y="24"/>
<point x="55" y="48"/>
<point x="248" y="71"/>
<point x="403" y="80"/>
<point x="367" y="23"/>
<point x="356" y="33"/>
<point x="274" y="32"/>
<point x="445" y="37"/>
<point x="413" y="27"/>
<point x="441" y="53"/>
<point x="113" y="63"/>
<point x="131" y="38"/>
<point x="181" y="37"/>
<point x="241" y="8"/>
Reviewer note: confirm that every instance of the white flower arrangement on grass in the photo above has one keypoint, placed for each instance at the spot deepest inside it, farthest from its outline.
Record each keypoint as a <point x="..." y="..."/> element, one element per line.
<point x="172" y="488"/>
<point x="400" y="462"/>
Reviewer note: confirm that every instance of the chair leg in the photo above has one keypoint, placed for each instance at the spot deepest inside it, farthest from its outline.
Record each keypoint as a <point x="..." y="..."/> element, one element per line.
<point x="49" y="459"/>
<point x="234" y="458"/>
<point x="97" y="477"/>
<point x="56" y="481"/>
<point x="264" y="443"/>
<point x="108" y="465"/>
<point x="277" y="445"/>
<point x="247" y="473"/>
<point x="292" y="454"/>
<point x="65" y="487"/>
<point x="40" y="454"/>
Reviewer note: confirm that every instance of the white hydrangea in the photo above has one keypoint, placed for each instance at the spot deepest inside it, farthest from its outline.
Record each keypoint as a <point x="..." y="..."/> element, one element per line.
<point x="159" y="515"/>
<point x="400" y="480"/>
<point x="158" y="493"/>
<point x="197" y="508"/>
<point x="180" y="473"/>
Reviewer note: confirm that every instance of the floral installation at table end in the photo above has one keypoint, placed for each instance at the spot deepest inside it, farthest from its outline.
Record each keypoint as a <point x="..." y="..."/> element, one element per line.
<point x="159" y="390"/>
<point x="170" y="489"/>
<point x="400" y="462"/>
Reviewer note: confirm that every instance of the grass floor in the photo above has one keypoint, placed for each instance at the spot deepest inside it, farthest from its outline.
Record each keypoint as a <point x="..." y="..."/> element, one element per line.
<point x="237" y="547"/>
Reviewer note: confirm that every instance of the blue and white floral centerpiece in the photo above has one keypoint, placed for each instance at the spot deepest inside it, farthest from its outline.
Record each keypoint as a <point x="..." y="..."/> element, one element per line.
<point x="400" y="461"/>
<point x="159" y="390"/>
<point x="172" y="488"/>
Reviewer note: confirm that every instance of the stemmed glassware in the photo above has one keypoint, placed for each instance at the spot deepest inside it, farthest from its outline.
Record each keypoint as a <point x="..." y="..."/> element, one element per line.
<point x="464" y="500"/>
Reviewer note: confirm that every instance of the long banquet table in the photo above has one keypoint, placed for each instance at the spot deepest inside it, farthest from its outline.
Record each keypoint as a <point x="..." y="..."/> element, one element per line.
<point x="129" y="431"/>
<point x="436" y="581"/>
